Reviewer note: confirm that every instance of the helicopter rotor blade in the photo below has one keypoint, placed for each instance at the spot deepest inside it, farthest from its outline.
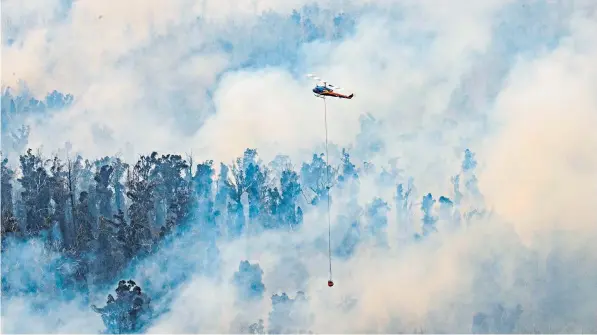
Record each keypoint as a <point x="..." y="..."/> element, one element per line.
<point x="314" y="77"/>
<point x="325" y="82"/>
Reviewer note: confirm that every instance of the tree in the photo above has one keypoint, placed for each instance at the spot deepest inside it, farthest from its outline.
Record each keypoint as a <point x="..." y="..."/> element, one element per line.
<point x="102" y="179"/>
<point x="468" y="166"/>
<point x="349" y="170"/>
<point x="376" y="213"/>
<point x="275" y="218"/>
<point x="130" y="312"/>
<point x="289" y="315"/>
<point x="249" y="281"/>
<point x="291" y="214"/>
<point x="350" y="240"/>
<point x="60" y="195"/>
<point x="71" y="183"/>
<point x="456" y="189"/>
<point x="83" y="175"/>
<point x="403" y="209"/>
<point x="83" y="225"/>
<point x="446" y="207"/>
<point x="10" y="224"/>
<point x="428" y="219"/>
<point x="172" y="189"/>
<point x="251" y="178"/>
<point x="222" y="189"/>
<point x="228" y="197"/>
<point x="203" y="186"/>
<point x="6" y="182"/>
<point x="257" y="328"/>
<point x="36" y="193"/>
<point x="118" y="172"/>
<point x="141" y="190"/>
<point x="111" y="255"/>
<point x="318" y="176"/>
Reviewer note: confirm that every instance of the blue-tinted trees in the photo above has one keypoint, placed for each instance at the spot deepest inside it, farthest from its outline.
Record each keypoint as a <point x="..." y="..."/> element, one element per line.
<point x="172" y="191"/>
<point x="349" y="170"/>
<point x="350" y="238"/>
<point x="83" y="225"/>
<point x="429" y="219"/>
<point x="251" y="178"/>
<point x="103" y="191"/>
<point x="6" y="179"/>
<point x="403" y="210"/>
<point x="203" y="185"/>
<point x="107" y="224"/>
<point x="118" y="172"/>
<point x="60" y="196"/>
<point x="318" y="176"/>
<point x="291" y="191"/>
<point x="446" y="208"/>
<point x="289" y="315"/>
<point x="10" y="225"/>
<point x="141" y="187"/>
<point x="235" y="218"/>
<point x="15" y="133"/>
<point x="36" y="193"/>
<point x="249" y="281"/>
<point x="282" y="207"/>
<point x="377" y="219"/>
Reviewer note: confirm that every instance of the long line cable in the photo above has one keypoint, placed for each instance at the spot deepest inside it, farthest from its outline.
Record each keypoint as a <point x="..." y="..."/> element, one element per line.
<point x="327" y="171"/>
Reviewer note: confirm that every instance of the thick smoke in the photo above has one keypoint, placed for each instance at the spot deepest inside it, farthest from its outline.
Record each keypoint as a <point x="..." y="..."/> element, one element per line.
<point x="512" y="250"/>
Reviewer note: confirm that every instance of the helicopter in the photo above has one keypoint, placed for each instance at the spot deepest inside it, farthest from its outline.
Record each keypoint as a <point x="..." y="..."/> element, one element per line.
<point x="327" y="90"/>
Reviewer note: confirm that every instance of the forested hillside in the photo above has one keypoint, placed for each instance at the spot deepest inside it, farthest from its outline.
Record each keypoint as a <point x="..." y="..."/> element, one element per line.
<point x="103" y="214"/>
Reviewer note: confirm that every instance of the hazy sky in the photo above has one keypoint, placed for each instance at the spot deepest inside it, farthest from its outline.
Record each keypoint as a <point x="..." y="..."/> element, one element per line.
<point x="514" y="81"/>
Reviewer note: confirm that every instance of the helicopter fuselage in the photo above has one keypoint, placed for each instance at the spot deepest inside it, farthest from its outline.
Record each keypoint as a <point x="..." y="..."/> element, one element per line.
<point x="324" y="91"/>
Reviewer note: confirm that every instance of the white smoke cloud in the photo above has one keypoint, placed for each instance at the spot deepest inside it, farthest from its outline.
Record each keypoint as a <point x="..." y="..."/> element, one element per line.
<point x="541" y="173"/>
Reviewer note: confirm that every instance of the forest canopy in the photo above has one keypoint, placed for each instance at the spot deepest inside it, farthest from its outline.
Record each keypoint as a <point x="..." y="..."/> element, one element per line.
<point x="103" y="214"/>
